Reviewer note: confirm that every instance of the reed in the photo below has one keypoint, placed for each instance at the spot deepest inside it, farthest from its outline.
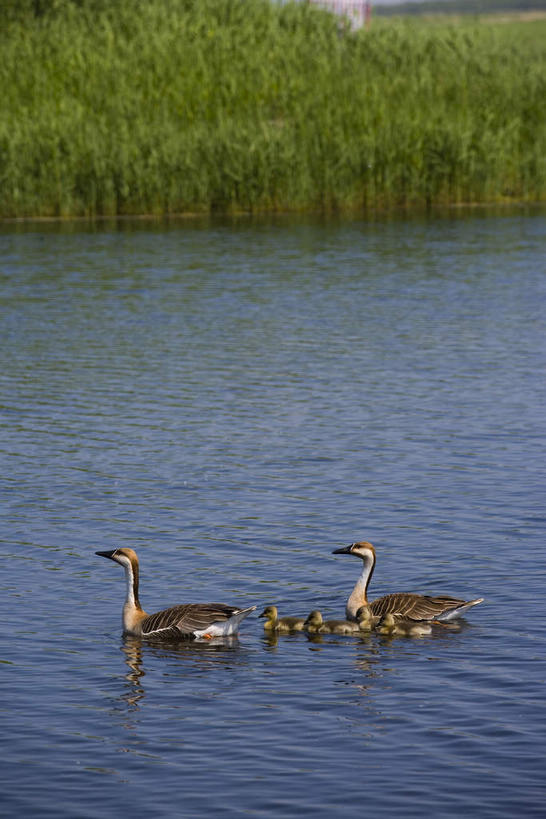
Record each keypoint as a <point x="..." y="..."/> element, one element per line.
<point x="168" y="106"/>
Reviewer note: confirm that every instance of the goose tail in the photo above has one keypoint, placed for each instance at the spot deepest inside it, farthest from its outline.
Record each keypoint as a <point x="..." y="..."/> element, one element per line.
<point x="450" y="614"/>
<point x="224" y="628"/>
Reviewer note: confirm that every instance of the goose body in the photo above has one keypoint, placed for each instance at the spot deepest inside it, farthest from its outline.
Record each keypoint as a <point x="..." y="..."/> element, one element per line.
<point x="280" y="624"/>
<point x="392" y="625"/>
<point x="316" y="625"/>
<point x="189" y="620"/>
<point x="414" y="606"/>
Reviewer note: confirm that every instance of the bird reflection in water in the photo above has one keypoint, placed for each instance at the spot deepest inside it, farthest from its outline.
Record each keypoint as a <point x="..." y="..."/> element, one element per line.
<point x="199" y="652"/>
<point x="132" y="648"/>
<point x="271" y="638"/>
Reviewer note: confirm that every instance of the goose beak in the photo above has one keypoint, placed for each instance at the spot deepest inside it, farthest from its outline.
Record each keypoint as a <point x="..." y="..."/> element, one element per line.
<point x="107" y="554"/>
<point x="346" y="550"/>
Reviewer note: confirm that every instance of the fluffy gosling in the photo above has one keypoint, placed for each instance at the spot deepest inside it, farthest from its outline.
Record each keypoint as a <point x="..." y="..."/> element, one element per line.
<point x="393" y="626"/>
<point x="365" y="619"/>
<point x="316" y="625"/>
<point x="280" y="624"/>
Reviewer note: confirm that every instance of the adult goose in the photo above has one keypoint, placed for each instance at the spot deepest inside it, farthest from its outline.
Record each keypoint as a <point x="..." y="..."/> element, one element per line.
<point x="189" y="620"/>
<point x="415" y="606"/>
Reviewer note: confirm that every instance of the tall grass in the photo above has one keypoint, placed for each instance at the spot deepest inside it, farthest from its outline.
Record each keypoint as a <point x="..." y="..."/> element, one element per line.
<point x="167" y="106"/>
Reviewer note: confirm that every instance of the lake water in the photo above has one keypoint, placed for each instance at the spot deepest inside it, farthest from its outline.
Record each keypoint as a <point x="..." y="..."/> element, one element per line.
<point x="235" y="400"/>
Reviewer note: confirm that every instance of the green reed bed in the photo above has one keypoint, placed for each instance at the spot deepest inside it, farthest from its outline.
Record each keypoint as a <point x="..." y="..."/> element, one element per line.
<point x="165" y="106"/>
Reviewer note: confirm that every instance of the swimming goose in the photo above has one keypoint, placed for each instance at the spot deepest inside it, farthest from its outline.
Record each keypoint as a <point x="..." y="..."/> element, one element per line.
<point x="316" y="625"/>
<point x="186" y="621"/>
<point x="416" y="606"/>
<point x="283" y="624"/>
<point x="391" y="625"/>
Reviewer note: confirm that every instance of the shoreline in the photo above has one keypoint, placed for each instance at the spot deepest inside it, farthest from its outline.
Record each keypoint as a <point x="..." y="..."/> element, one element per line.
<point x="349" y="213"/>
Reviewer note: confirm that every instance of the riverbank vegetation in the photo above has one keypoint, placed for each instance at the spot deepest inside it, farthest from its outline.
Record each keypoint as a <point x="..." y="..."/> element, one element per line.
<point x="170" y="106"/>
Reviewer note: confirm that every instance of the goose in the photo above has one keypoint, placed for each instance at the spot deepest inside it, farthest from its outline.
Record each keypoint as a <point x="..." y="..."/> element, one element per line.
<point x="391" y="625"/>
<point x="189" y="620"/>
<point x="416" y="606"/>
<point x="281" y="624"/>
<point x="316" y="625"/>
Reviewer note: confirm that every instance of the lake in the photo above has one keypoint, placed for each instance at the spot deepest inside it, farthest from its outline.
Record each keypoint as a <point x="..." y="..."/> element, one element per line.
<point x="234" y="399"/>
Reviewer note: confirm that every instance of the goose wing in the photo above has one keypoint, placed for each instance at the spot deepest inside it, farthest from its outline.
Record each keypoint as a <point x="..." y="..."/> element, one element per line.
<point x="184" y="620"/>
<point x="416" y="606"/>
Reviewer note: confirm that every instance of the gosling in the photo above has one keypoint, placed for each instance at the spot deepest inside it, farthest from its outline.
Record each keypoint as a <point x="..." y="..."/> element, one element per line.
<point x="283" y="625"/>
<point x="365" y="619"/>
<point x="393" y="626"/>
<point x="316" y="625"/>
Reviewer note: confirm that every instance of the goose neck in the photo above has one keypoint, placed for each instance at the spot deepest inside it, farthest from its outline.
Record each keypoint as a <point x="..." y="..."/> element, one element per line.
<point x="359" y="595"/>
<point x="131" y="584"/>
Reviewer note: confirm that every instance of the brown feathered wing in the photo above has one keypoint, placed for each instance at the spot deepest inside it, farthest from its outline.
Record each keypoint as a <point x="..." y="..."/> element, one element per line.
<point x="418" y="606"/>
<point x="185" y="620"/>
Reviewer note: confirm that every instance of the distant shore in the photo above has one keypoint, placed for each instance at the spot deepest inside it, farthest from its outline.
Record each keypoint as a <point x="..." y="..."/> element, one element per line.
<point x="245" y="106"/>
<point x="193" y="216"/>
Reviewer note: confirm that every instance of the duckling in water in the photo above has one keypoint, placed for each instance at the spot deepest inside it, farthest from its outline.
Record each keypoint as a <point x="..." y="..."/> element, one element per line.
<point x="393" y="626"/>
<point x="314" y="622"/>
<point x="316" y="625"/>
<point x="280" y="624"/>
<point x="365" y="619"/>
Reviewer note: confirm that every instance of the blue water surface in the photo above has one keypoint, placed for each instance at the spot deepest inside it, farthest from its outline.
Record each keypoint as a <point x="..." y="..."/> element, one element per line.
<point x="234" y="400"/>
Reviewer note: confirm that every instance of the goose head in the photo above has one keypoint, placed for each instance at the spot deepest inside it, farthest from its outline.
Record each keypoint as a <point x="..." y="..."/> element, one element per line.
<point x="314" y="618"/>
<point x="128" y="559"/>
<point x="387" y="624"/>
<point x="270" y="612"/>
<point x="125" y="557"/>
<point x="361" y="549"/>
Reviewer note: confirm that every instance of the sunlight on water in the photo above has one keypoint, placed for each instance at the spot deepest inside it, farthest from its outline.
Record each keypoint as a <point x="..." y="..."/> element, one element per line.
<point x="234" y="401"/>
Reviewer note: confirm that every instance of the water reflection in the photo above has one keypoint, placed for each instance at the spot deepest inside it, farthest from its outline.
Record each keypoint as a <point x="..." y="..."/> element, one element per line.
<point x="132" y="649"/>
<point x="205" y="654"/>
<point x="270" y="639"/>
<point x="371" y="639"/>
